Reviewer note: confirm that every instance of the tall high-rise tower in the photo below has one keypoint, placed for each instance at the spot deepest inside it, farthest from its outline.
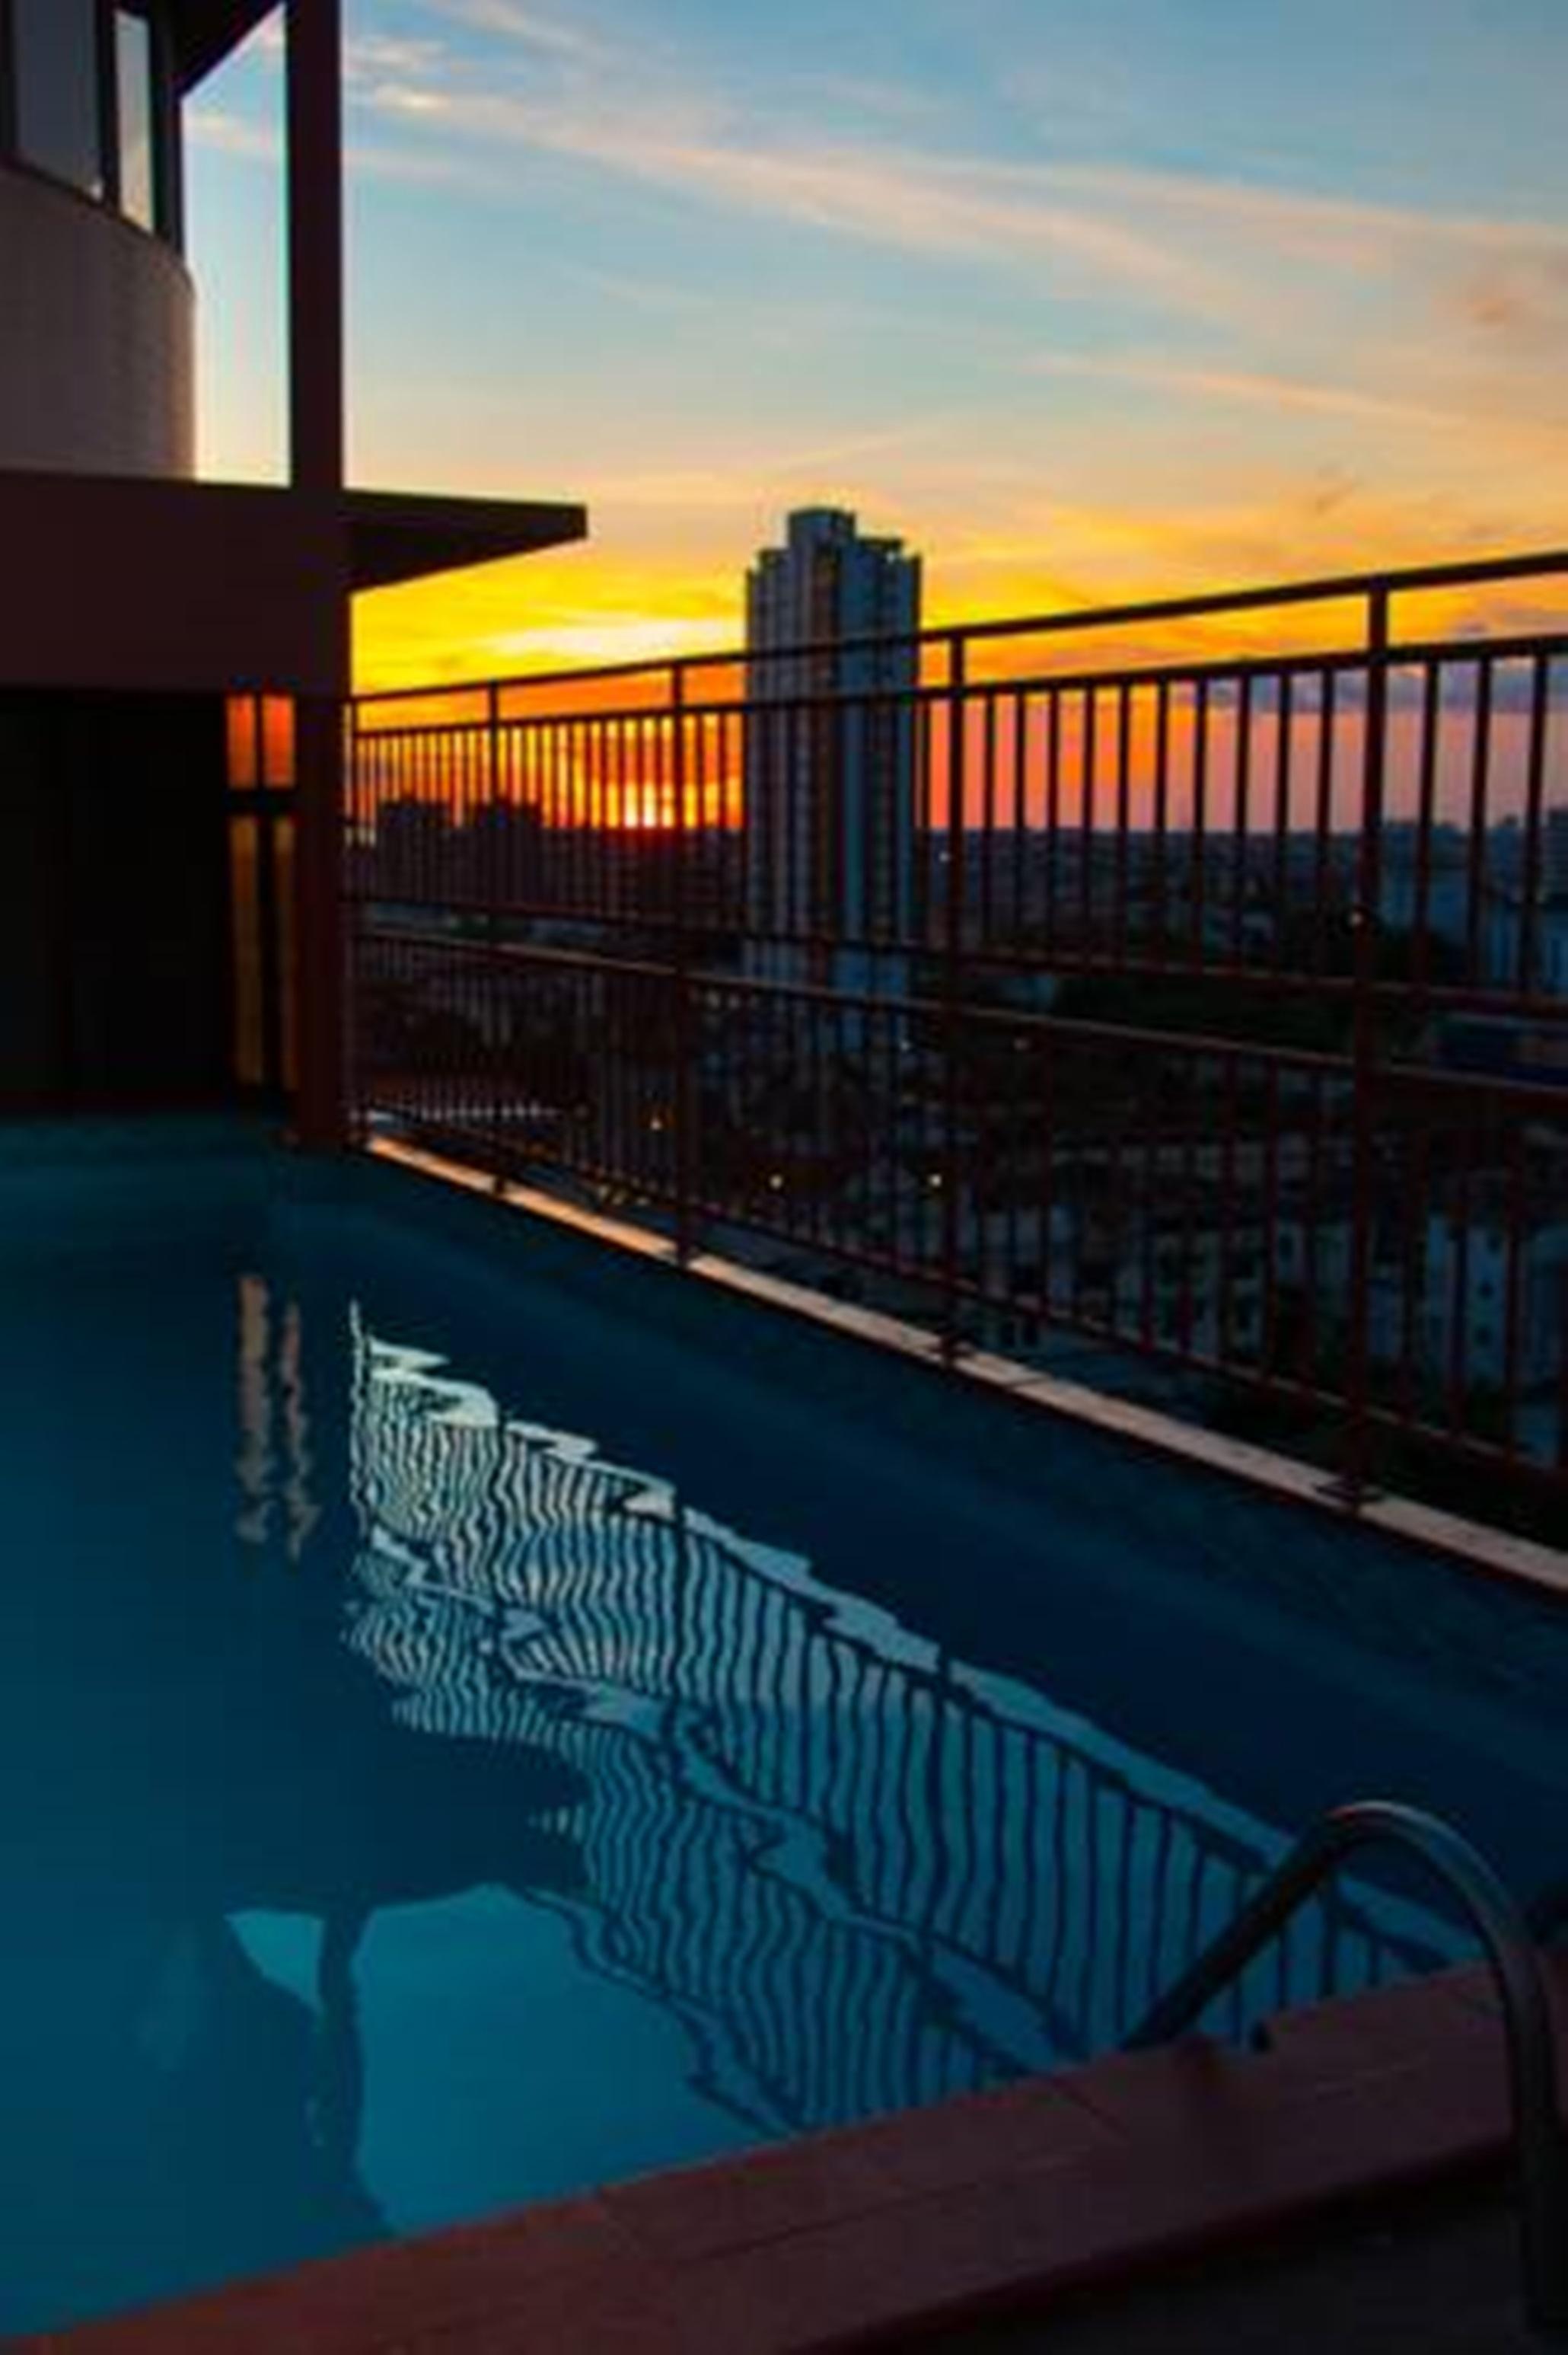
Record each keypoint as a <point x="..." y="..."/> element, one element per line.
<point x="830" y="755"/>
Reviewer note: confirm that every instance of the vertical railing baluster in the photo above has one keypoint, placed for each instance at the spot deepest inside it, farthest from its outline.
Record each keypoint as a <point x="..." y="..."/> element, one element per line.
<point x="685" y="1092"/>
<point x="490" y="886"/>
<point x="1364" y="1049"/>
<point x="958" y="679"/>
<point x="351" y="882"/>
<point x="1476" y="879"/>
<point x="1526" y="976"/>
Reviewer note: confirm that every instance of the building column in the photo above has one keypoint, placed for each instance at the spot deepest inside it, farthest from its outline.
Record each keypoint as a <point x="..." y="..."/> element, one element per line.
<point x="314" y="113"/>
<point x="314" y="117"/>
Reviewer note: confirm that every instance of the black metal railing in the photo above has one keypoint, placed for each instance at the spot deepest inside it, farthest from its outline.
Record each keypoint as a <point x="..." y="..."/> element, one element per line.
<point x="1511" y="1953"/>
<point x="1190" y="980"/>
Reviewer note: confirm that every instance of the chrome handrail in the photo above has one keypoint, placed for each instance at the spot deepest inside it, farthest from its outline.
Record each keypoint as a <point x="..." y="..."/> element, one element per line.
<point x="1512" y="1953"/>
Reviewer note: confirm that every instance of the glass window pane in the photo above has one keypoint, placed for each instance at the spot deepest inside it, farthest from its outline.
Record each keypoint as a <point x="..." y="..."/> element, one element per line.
<point x="134" y="106"/>
<point x="56" y="69"/>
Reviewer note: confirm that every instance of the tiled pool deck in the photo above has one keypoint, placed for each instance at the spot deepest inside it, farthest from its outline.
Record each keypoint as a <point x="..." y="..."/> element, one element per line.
<point x="871" y="2235"/>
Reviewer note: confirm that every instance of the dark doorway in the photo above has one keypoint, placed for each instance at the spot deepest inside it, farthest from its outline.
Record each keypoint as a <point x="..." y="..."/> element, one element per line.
<point x="114" y="970"/>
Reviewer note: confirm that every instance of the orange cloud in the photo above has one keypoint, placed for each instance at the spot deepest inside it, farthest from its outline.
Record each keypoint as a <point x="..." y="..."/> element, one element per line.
<point x="661" y="580"/>
<point x="541" y="613"/>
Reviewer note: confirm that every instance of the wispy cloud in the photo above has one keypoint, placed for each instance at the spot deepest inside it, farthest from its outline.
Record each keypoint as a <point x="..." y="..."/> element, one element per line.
<point x="568" y="38"/>
<point x="611" y="637"/>
<point x="1304" y="222"/>
<point x="1514" y="303"/>
<point x="377" y="57"/>
<point x="1487" y="419"/>
<point x="1253" y="388"/>
<point x="859" y="94"/>
<point x="936" y="205"/>
<point x="1202" y="245"/>
<point x="228" y="133"/>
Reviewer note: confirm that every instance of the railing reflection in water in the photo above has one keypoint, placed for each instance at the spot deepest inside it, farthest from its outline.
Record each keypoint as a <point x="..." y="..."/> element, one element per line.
<point x="862" y="1873"/>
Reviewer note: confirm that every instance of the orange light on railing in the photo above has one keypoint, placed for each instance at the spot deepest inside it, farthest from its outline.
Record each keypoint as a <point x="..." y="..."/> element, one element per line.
<point x="259" y="737"/>
<point x="278" y="743"/>
<point x="244" y="761"/>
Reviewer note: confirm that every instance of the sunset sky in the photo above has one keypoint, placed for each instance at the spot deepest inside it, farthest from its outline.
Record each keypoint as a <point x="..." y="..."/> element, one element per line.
<point x="1082" y="300"/>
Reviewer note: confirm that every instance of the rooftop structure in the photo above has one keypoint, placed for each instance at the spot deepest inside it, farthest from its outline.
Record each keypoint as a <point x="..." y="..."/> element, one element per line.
<point x="149" y="597"/>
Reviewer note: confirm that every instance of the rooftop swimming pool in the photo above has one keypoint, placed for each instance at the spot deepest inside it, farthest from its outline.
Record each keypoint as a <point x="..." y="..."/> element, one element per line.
<point x="487" y="1716"/>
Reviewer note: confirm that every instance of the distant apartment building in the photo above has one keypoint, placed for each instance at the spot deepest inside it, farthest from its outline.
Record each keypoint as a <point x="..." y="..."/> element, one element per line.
<point x="1554" y="860"/>
<point x="831" y="757"/>
<point x="1526" y="938"/>
<point x="1512" y="903"/>
<point x="1491" y="1304"/>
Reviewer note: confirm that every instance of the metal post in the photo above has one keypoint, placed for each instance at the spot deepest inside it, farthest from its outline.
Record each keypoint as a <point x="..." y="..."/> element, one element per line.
<point x="321" y="997"/>
<point x="499" y="1069"/>
<point x="315" y="118"/>
<point x="351" y="918"/>
<point x="1365" y="1053"/>
<point x="313" y="76"/>
<point x="685" y="1092"/>
<point x="958" y="772"/>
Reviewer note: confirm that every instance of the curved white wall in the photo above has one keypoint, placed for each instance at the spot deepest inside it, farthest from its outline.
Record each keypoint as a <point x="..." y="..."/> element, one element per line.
<point x="97" y="369"/>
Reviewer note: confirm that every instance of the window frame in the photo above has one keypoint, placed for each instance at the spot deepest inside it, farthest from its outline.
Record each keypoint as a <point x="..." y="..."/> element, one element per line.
<point x="167" y="224"/>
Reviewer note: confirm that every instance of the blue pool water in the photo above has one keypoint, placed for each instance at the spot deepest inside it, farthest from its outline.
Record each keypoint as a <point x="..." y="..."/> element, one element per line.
<point x="486" y="1718"/>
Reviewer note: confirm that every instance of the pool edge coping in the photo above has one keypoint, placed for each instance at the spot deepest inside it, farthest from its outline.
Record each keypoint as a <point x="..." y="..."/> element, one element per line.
<point x="1496" y="1553"/>
<point x="1003" y="2203"/>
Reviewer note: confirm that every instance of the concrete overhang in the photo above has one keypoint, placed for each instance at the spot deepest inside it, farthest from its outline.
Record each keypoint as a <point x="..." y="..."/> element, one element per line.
<point x="132" y="583"/>
<point x="405" y="536"/>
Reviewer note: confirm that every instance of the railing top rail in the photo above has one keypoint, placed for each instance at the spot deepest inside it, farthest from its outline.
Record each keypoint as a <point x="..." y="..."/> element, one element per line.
<point x="1217" y="670"/>
<point x="1327" y="589"/>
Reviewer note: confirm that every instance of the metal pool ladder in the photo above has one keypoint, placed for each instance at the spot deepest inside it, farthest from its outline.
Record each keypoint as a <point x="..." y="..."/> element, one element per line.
<point x="1508" y="1938"/>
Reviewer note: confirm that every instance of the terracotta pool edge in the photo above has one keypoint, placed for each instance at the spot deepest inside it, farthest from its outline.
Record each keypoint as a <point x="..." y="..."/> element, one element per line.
<point x="869" y="2234"/>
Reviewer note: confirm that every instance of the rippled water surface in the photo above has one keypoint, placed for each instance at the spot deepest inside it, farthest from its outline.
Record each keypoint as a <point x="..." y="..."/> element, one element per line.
<point x="473" y="1736"/>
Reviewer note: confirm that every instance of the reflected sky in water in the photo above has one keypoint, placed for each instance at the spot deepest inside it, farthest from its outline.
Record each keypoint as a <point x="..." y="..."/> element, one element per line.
<point x="414" y="1809"/>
